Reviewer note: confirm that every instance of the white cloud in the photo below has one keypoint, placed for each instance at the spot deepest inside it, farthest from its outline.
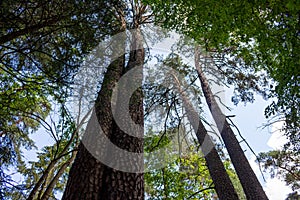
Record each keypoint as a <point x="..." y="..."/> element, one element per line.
<point x="276" y="189"/>
<point x="277" y="140"/>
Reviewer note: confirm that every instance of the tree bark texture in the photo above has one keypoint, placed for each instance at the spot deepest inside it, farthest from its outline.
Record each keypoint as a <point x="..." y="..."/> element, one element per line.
<point x="217" y="171"/>
<point x="127" y="133"/>
<point x="89" y="179"/>
<point x="86" y="175"/>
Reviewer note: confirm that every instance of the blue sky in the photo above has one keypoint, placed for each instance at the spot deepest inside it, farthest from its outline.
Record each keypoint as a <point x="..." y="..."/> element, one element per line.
<point x="249" y="119"/>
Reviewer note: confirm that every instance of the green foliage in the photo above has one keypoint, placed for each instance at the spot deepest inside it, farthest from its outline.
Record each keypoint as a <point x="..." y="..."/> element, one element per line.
<point x="264" y="34"/>
<point x="58" y="34"/>
<point x="283" y="164"/>
<point x="50" y="160"/>
<point x="235" y="180"/>
<point x="22" y="107"/>
<point x="41" y="47"/>
<point x="181" y="179"/>
<point x="184" y="174"/>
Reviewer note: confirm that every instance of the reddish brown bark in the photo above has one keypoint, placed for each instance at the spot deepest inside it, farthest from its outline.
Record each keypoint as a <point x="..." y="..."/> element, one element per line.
<point x="89" y="179"/>
<point x="86" y="175"/>
<point x="248" y="179"/>
<point x="217" y="171"/>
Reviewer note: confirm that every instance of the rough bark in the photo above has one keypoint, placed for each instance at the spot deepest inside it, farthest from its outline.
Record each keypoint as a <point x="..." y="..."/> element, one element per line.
<point x="89" y="179"/>
<point x="122" y="185"/>
<point x="252" y="188"/>
<point x="222" y="182"/>
<point x="86" y="174"/>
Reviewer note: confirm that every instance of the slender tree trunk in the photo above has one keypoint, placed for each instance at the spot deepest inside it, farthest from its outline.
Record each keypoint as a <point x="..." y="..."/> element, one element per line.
<point x="51" y="185"/>
<point x="38" y="187"/>
<point x="248" y="179"/>
<point x="222" y="182"/>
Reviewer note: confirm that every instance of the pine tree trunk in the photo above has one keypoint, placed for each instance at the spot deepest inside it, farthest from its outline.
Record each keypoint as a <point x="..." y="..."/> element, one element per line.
<point x="118" y="184"/>
<point x="217" y="171"/>
<point x="86" y="175"/>
<point x="252" y="188"/>
<point x="89" y="179"/>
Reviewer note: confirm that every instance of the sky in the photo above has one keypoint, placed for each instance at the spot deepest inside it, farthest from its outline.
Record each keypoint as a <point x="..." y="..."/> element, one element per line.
<point x="249" y="119"/>
<point x="275" y="189"/>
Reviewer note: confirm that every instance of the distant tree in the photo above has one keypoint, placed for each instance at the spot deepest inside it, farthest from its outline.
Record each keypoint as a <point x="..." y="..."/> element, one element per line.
<point x="223" y="184"/>
<point x="284" y="164"/>
<point x="293" y="196"/>
<point x="185" y="174"/>
<point x="249" y="181"/>
<point x="261" y="35"/>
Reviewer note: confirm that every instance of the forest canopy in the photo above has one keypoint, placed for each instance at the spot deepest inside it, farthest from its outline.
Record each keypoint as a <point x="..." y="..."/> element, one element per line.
<point x="45" y="48"/>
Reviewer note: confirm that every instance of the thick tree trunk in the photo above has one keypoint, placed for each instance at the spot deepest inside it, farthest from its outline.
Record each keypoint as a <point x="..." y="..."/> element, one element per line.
<point x="248" y="179"/>
<point x="122" y="178"/>
<point x="86" y="175"/>
<point x="128" y="130"/>
<point x="222" y="182"/>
